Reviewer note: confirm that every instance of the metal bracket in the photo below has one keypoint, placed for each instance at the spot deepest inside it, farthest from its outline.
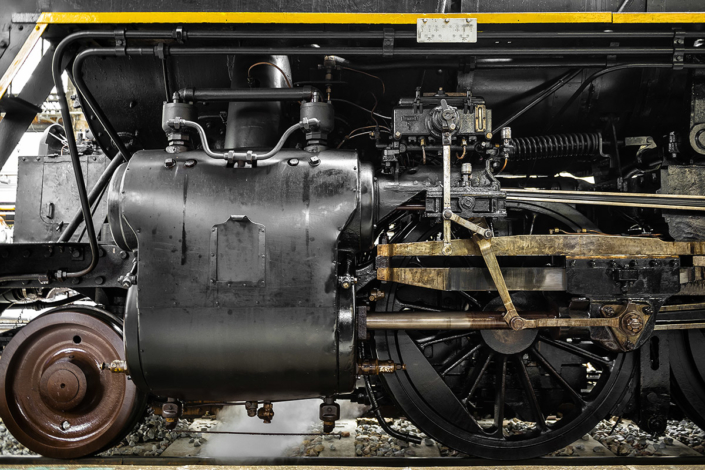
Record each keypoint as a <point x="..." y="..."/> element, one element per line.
<point x="388" y="43"/>
<point x="180" y="34"/>
<point x="120" y="41"/>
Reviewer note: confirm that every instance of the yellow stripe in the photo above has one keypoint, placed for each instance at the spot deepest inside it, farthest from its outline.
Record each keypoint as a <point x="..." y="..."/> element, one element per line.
<point x="658" y="18"/>
<point x="313" y="18"/>
<point x="26" y="49"/>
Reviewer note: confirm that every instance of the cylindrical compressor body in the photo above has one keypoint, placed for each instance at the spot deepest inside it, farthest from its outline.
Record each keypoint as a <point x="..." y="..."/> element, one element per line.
<point x="238" y="283"/>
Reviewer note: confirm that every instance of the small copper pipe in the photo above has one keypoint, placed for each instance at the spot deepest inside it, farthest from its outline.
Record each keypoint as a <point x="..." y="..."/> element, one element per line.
<point x="411" y="207"/>
<point x="444" y="320"/>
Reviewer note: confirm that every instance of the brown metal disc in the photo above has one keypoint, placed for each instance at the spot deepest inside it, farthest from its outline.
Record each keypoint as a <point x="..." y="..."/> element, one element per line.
<point x="54" y="396"/>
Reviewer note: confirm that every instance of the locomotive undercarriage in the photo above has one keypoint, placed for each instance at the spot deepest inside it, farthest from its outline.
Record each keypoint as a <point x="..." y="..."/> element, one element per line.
<point x="338" y="212"/>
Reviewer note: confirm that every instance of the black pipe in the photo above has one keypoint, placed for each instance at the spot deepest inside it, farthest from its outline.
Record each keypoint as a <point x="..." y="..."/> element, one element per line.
<point x="422" y="52"/>
<point x="88" y="98"/>
<point x="123" y="153"/>
<point x="380" y="419"/>
<point x="540" y="97"/>
<point x="411" y="34"/>
<point x="96" y="191"/>
<point x="78" y="173"/>
<point x="247" y="94"/>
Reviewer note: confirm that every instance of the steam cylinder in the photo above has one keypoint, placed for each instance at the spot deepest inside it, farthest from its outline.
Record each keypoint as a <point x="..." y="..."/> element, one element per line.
<point x="238" y="294"/>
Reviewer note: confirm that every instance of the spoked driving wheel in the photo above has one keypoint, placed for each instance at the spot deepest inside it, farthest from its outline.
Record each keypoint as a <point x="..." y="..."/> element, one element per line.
<point x="54" y="396"/>
<point x="686" y="349"/>
<point x="499" y="394"/>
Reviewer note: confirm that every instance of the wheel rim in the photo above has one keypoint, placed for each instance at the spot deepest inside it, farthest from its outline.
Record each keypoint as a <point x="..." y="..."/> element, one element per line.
<point x="54" y="396"/>
<point x="686" y="349"/>
<point x="433" y="392"/>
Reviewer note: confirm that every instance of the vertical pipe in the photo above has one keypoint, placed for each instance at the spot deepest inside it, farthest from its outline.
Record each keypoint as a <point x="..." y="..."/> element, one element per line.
<point x="255" y="124"/>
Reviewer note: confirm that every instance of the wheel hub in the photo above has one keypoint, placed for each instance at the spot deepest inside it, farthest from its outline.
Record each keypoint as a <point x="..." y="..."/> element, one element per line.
<point x="509" y="341"/>
<point x="54" y="397"/>
<point x="63" y="386"/>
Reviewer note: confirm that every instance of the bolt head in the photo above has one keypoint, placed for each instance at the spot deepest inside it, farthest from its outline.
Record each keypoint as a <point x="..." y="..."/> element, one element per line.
<point x="517" y="323"/>
<point x="169" y="163"/>
<point x="293" y="161"/>
<point x="632" y="323"/>
<point x="314" y="161"/>
<point x="397" y="135"/>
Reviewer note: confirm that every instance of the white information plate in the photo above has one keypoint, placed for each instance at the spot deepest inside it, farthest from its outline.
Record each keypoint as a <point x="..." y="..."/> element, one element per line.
<point x="446" y="30"/>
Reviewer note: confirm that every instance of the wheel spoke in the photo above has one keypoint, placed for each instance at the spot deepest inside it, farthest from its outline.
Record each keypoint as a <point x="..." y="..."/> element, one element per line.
<point x="573" y="349"/>
<point x="469" y="297"/>
<point x="441" y="338"/>
<point x="575" y="396"/>
<point x="475" y="377"/>
<point x="465" y="354"/>
<point x="500" y="389"/>
<point x="530" y="393"/>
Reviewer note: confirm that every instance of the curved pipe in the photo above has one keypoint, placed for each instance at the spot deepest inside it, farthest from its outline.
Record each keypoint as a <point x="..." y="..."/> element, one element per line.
<point x="241" y="156"/>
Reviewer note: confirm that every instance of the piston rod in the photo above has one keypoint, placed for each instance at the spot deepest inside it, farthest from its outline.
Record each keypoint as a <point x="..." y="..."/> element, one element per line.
<point x="445" y="320"/>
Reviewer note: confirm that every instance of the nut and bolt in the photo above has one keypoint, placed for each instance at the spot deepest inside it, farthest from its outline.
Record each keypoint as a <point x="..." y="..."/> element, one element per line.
<point x="376" y="294"/>
<point x="632" y="323"/>
<point x="397" y="135"/>
<point x="190" y="163"/>
<point x="517" y="323"/>
<point x="293" y="161"/>
<point x="314" y="161"/>
<point x="169" y="163"/>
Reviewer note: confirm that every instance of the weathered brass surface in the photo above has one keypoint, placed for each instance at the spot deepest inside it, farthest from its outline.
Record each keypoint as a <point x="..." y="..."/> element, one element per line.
<point x="476" y="279"/>
<point x="511" y="316"/>
<point x="680" y="326"/>
<point x="473" y="227"/>
<point x="683" y="307"/>
<point x="551" y="245"/>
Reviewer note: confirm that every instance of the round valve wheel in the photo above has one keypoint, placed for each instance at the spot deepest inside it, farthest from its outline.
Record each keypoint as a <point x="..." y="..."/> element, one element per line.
<point x="55" y="398"/>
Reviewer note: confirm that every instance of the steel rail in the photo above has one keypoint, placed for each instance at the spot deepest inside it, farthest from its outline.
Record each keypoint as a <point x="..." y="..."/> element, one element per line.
<point x="367" y="462"/>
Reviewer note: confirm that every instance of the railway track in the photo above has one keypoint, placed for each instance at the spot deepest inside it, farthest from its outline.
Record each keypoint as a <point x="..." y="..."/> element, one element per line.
<point x="113" y="462"/>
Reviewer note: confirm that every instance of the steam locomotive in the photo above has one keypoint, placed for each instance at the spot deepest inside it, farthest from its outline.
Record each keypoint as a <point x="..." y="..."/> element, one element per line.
<point x="468" y="214"/>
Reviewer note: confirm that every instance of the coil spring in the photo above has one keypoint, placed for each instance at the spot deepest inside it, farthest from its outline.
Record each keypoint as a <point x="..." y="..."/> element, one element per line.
<point x="557" y="146"/>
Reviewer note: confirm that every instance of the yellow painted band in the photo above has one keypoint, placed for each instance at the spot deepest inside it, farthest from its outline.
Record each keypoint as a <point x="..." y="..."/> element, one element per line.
<point x="21" y="56"/>
<point x="658" y="18"/>
<point x="314" y="18"/>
